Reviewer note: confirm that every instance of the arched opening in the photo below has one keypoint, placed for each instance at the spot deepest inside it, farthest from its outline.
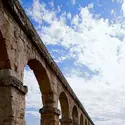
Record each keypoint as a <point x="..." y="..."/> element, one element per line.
<point x="85" y="121"/>
<point x="63" y="105"/>
<point x="81" y="120"/>
<point x="60" y="116"/>
<point x="75" y="116"/>
<point x="33" y="98"/>
<point x="35" y="77"/>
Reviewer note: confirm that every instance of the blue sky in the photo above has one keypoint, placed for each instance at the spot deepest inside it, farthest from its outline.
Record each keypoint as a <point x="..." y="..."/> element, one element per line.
<point x="87" y="41"/>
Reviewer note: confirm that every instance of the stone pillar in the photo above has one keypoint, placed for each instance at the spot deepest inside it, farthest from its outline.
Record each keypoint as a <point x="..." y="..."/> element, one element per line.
<point x="83" y="121"/>
<point x="75" y="122"/>
<point x="49" y="116"/>
<point x="66" y="121"/>
<point x="12" y="101"/>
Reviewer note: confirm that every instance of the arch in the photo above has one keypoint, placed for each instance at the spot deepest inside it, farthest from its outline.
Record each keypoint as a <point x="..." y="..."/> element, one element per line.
<point x="85" y="121"/>
<point x="81" y="119"/>
<point x="75" y="115"/>
<point x="41" y="76"/>
<point x="64" y="105"/>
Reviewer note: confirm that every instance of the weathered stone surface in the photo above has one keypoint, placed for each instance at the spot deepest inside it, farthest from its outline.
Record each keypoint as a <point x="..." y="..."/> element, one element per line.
<point x="20" y="45"/>
<point x="49" y="116"/>
<point x="12" y="81"/>
<point x="66" y="121"/>
<point x="12" y="102"/>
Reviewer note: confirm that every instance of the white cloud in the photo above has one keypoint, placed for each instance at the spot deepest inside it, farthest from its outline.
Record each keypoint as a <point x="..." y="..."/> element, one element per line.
<point x="118" y="1"/>
<point x="36" y="13"/>
<point x="51" y="3"/>
<point x="73" y="2"/>
<point x="123" y="8"/>
<point x="39" y="12"/>
<point x="98" y="44"/>
<point x="104" y="103"/>
<point x="112" y="11"/>
<point x="69" y="16"/>
<point x="75" y="20"/>
<point x="33" y="113"/>
<point x="33" y="98"/>
<point x="90" y="6"/>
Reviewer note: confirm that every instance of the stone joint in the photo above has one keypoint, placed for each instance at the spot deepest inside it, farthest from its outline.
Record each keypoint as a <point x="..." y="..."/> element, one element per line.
<point x="66" y="120"/>
<point x="75" y="122"/>
<point x="45" y="110"/>
<point x="14" y="82"/>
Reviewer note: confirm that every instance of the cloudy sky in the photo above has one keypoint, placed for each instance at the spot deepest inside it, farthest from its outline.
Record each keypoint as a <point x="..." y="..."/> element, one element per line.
<point x="86" y="38"/>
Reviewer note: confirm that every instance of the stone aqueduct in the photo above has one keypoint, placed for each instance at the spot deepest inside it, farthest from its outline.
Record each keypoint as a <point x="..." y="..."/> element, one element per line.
<point x="20" y="45"/>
